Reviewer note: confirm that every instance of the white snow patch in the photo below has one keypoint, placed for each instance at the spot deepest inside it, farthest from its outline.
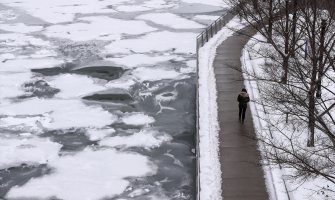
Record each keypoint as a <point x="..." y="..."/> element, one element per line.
<point x="87" y="175"/>
<point x="72" y="85"/>
<point x="147" y="139"/>
<point x="31" y="151"/>
<point x="98" y="28"/>
<point x="170" y="20"/>
<point x="137" y="119"/>
<point x="180" y="42"/>
<point x="20" y="28"/>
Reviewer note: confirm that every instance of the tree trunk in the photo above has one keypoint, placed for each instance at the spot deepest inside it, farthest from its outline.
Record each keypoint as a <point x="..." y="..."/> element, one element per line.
<point x="294" y="26"/>
<point x="285" y="68"/>
<point x="270" y="19"/>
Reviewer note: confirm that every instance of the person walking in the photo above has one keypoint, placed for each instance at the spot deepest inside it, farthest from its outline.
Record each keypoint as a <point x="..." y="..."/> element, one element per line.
<point x="243" y="99"/>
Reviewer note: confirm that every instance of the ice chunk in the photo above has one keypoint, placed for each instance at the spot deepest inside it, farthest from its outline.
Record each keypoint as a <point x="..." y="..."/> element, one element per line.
<point x="137" y="119"/>
<point x="88" y="175"/>
<point x="16" y="151"/>
<point x="170" y="20"/>
<point x="147" y="139"/>
<point x="25" y="65"/>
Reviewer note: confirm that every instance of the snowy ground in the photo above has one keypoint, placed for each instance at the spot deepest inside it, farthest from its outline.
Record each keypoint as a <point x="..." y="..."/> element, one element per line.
<point x="283" y="187"/>
<point x="98" y="98"/>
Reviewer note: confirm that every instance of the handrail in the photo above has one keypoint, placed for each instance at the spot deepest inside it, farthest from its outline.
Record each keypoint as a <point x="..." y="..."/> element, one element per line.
<point x="201" y="40"/>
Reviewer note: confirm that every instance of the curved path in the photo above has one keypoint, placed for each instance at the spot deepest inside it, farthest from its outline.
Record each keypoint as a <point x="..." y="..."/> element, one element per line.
<point x="242" y="176"/>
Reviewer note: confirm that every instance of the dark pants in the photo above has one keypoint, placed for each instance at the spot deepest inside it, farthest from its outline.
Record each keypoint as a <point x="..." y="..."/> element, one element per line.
<point x="241" y="113"/>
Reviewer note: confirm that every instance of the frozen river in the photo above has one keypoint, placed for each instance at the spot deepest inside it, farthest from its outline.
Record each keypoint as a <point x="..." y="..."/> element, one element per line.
<point x="97" y="98"/>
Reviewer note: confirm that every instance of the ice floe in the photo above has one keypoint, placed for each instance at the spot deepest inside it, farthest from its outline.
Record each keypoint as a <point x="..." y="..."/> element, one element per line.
<point x="98" y="28"/>
<point x="11" y="84"/>
<point x="155" y="74"/>
<point x="20" y="28"/>
<point x="208" y="2"/>
<point x="19" y="39"/>
<point x="7" y="15"/>
<point x="25" y="65"/>
<point x="156" y="42"/>
<point x="72" y="85"/>
<point x="135" y="60"/>
<point x="61" y="114"/>
<point x="99" y="134"/>
<point x="87" y="175"/>
<point x="170" y="20"/>
<point x="137" y="119"/>
<point x="147" y="139"/>
<point x="31" y="151"/>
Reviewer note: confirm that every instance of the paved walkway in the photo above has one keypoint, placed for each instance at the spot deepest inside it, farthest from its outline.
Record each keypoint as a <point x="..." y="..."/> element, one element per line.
<point x="242" y="176"/>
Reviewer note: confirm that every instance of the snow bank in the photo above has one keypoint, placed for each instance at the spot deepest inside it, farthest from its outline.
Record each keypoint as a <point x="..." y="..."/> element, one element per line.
<point x="31" y="151"/>
<point x="170" y="20"/>
<point x="87" y="175"/>
<point x="210" y="171"/>
<point x="147" y="139"/>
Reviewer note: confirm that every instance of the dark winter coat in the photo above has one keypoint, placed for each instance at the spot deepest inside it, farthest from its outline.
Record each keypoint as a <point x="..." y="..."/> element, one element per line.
<point x="243" y="99"/>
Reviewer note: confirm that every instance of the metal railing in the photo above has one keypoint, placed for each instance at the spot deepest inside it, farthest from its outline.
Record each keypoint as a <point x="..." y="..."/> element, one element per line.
<point x="202" y="38"/>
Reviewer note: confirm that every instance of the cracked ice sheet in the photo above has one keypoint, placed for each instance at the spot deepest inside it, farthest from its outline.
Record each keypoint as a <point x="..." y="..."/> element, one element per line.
<point x="170" y="20"/>
<point x="181" y="42"/>
<point x="98" y="28"/>
<point x="31" y="151"/>
<point x="87" y="175"/>
<point x="147" y="139"/>
<point x="20" y="28"/>
<point x="136" y="60"/>
<point x="60" y="114"/>
<point x="72" y="85"/>
<point x="63" y="10"/>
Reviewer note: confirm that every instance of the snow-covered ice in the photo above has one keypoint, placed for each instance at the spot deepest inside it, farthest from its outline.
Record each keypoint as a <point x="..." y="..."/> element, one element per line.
<point x="20" y="28"/>
<point x="154" y="74"/>
<point x="99" y="134"/>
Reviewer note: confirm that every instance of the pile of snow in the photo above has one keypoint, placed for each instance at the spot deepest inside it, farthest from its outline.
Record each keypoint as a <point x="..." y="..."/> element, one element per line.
<point x="31" y="151"/>
<point x="210" y="169"/>
<point x="90" y="174"/>
<point x="147" y="139"/>
<point x="170" y="20"/>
